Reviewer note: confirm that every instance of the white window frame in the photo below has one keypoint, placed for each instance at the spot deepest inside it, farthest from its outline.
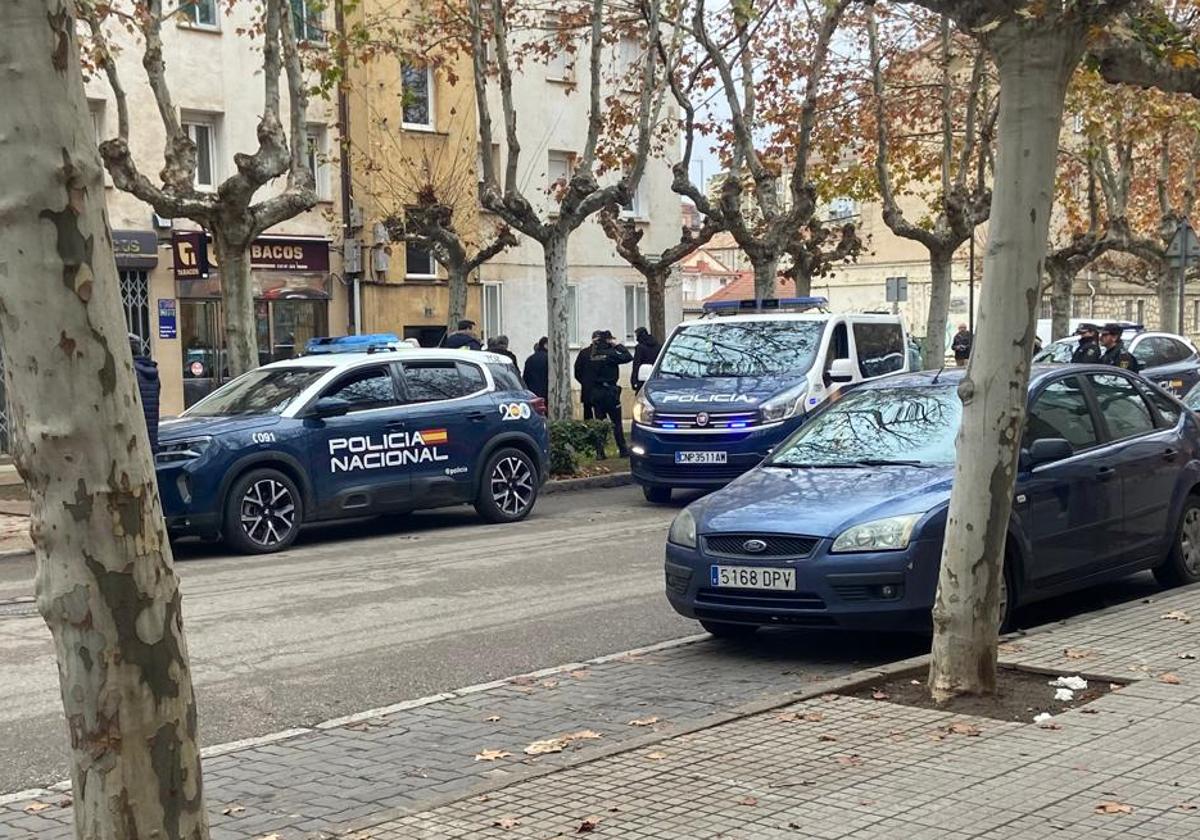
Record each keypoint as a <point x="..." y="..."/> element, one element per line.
<point x="313" y="20"/>
<point x="560" y="67"/>
<point x="496" y="291"/>
<point x="409" y="274"/>
<point x="573" y="315"/>
<point x="636" y="209"/>
<point x="188" y="9"/>
<point x="636" y="294"/>
<point x="551" y="192"/>
<point x="210" y="122"/>
<point x="318" y="158"/>
<point x="430" y="79"/>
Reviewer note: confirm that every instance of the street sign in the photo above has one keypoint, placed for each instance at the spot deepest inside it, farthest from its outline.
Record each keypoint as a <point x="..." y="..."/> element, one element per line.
<point x="897" y="289"/>
<point x="1185" y="246"/>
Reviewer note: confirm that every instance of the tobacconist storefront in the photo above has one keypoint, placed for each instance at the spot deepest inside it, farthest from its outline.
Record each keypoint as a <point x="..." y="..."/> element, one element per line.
<point x="292" y="292"/>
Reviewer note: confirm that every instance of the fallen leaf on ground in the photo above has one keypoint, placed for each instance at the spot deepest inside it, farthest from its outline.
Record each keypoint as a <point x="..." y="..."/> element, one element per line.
<point x="749" y="800"/>
<point x="914" y="682"/>
<point x="522" y="680"/>
<point x="814" y="717"/>
<point x="1187" y="656"/>
<point x="1169" y="679"/>
<point x="1049" y="725"/>
<point x="880" y="695"/>
<point x="492" y="718"/>
<point x="233" y="809"/>
<point x="1177" y="615"/>
<point x="1010" y="647"/>
<point x="656" y="756"/>
<point x="1114" y="808"/>
<point x="65" y="802"/>
<point x="849" y="760"/>
<point x="549" y="683"/>
<point x="34" y="807"/>
<point x="1076" y="653"/>
<point x="582" y="673"/>
<point x="961" y="728"/>
<point x="826" y="738"/>
<point x="1089" y="711"/>
<point x="506" y="822"/>
<point x="588" y="824"/>
<point x="270" y="837"/>
<point x="787" y="717"/>
<point x="646" y="721"/>
<point x="492" y="755"/>
<point x="560" y="743"/>
<point x="1187" y="806"/>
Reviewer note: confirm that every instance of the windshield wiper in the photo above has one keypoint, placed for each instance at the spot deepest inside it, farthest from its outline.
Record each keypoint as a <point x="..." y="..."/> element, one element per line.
<point x="884" y="462"/>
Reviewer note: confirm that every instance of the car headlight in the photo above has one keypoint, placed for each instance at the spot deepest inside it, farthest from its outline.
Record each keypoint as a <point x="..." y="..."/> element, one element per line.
<point x="683" y="530"/>
<point x="784" y="406"/>
<point x="182" y="450"/>
<point x="890" y="534"/>
<point x="643" y="412"/>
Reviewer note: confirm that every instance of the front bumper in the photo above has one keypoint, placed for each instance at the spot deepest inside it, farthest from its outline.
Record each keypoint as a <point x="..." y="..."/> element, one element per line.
<point x="655" y="465"/>
<point x="190" y="497"/>
<point x="847" y="591"/>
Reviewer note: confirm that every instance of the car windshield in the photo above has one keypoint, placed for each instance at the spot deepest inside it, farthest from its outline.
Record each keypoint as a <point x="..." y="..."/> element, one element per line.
<point x="878" y="426"/>
<point x="742" y="348"/>
<point x="262" y="391"/>
<point x="1058" y="353"/>
<point x="1192" y="400"/>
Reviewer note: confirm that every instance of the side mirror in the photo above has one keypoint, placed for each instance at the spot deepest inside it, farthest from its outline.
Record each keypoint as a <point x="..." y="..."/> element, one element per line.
<point x="644" y="372"/>
<point x="841" y="370"/>
<point x="329" y="407"/>
<point x="1048" y="450"/>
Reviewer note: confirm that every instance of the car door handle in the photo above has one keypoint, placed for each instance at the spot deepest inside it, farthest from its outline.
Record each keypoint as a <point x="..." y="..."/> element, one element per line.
<point x="1105" y="473"/>
<point x="1170" y="454"/>
<point x="476" y="415"/>
<point x="396" y="424"/>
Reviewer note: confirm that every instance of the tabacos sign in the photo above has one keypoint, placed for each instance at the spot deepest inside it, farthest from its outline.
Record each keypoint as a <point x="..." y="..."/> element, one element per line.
<point x="194" y="255"/>
<point x="396" y="449"/>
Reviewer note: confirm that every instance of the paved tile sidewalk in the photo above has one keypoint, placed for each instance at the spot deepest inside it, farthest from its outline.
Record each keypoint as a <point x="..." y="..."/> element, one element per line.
<point x="871" y="769"/>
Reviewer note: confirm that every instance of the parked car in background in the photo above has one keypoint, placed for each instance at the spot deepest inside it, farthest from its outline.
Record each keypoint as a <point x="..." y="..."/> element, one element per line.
<point x="1170" y="360"/>
<point x="842" y="526"/>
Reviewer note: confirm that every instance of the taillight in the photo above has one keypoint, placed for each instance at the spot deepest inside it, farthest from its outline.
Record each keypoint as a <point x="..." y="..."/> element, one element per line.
<point x="539" y="405"/>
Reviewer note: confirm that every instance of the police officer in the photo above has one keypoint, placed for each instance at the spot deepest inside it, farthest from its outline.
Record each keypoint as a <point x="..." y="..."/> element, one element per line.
<point x="1088" y="351"/>
<point x="1115" y="353"/>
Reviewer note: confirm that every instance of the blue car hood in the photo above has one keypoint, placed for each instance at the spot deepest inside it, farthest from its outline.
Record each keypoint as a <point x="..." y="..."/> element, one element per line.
<point x="188" y="427"/>
<point x="820" y="502"/>
<point x="726" y="392"/>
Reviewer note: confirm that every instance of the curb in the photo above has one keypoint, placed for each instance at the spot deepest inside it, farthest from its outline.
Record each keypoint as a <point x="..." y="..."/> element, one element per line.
<point x="15" y="554"/>
<point x="592" y="482"/>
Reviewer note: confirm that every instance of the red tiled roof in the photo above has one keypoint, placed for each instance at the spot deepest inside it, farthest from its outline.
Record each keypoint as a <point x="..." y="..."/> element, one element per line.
<point x="743" y="288"/>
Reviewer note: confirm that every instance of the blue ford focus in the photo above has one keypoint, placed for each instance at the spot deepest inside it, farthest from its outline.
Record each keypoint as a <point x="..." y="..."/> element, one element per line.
<point x="842" y="525"/>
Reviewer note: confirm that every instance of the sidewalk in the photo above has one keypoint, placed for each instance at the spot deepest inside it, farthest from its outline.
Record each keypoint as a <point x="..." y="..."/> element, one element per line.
<point x="702" y="739"/>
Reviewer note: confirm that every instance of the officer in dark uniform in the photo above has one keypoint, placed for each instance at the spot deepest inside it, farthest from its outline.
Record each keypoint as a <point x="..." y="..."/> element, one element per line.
<point x="1088" y="351"/>
<point x="1115" y="353"/>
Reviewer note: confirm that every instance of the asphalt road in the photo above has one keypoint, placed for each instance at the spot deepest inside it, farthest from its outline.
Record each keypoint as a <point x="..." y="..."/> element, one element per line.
<point x="367" y="614"/>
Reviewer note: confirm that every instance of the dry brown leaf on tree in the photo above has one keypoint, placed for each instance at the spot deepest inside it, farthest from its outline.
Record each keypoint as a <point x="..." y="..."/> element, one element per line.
<point x="1177" y="615"/>
<point x="492" y="755"/>
<point x="505" y="822"/>
<point x="588" y="824"/>
<point x="1114" y="808"/>
<point x="646" y="721"/>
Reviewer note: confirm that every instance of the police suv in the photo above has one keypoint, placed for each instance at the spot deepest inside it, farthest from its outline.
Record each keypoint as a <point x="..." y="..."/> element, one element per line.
<point x="728" y="387"/>
<point x="362" y="425"/>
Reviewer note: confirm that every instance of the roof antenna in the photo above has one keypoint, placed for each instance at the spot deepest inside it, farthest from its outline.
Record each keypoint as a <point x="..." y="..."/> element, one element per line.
<point x="941" y="370"/>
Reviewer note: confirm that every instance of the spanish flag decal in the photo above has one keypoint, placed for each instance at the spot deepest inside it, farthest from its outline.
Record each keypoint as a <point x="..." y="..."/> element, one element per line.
<point x="434" y="436"/>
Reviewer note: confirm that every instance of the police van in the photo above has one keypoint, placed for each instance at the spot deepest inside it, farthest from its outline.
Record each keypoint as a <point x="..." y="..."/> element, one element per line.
<point x="361" y="425"/>
<point x="728" y="387"/>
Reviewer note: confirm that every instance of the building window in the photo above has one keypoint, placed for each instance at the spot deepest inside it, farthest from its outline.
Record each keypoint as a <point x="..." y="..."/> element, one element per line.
<point x="1128" y="310"/>
<point x="636" y="311"/>
<point x="417" y="95"/>
<point x="842" y="208"/>
<point x="636" y="207"/>
<point x="418" y="262"/>
<point x="135" y="301"/>
<point x="1047" y="309"/>
<point x="573" y="315"/>
<point x="306" y="19"/>
<point x="1077" y="306"/>
<point x="203" y="133"/>
<point x="96" y="110"/>
<point x="560" y="65"/>
<point x="493" y="309"/>
<point x="200" y="12"/>
<point x="318" y="160"/>
<point x="1141" y="312"/>
<point x="558" y="173"/>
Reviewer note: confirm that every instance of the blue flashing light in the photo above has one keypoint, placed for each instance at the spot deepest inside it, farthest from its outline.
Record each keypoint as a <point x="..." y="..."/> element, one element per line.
<point x="765" y="304"/>
<point x="738" y="425"/>
<point x="668" y="425"/>
<point x="352" y="343"/>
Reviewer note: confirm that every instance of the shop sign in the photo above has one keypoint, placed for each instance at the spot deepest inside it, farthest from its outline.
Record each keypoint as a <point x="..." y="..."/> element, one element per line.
<point x="166" y="318"/>
<point x="135" y="248"/>
<point x="194" y="257"/>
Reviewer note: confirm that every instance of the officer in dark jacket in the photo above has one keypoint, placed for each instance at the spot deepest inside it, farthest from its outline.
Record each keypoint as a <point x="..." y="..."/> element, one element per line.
<point x="605" y="360"/>
<point x="149" y="387"/>
<point x="961" y="345"/>
<point x="585" y="376"/>
<point x="499" y="344"/>
<point x="537" y="369"/>
<point x="645" y="353"/>
<point x="464" y="336"/>
<point x="1088" y="351"/>
<point x="1115" y="353"/>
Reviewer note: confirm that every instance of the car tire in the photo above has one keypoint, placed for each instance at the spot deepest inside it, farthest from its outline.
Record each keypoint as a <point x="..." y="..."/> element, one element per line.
<point x="655" y="494"/>
<point x="725" y="630"/>
<point x="1182" y="564"/>
<point x="1008" y="597"/>
<point x="508" y="487"/>
<point x="263" y="512"/>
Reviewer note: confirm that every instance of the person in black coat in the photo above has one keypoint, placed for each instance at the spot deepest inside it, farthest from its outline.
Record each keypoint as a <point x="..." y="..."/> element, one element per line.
<point x="585" y="376"/>
<point x="537" y="369"/>
<point x="646" y="353"/>
<point x="1115" y="353"/>
<point x="499" y="344"/>
<point x="961" y="345"/>
<point x="1087" y="352"/>
<point x="464" y="336"/>
<point x="149" y="387"/>
<point x="605" y="360"/>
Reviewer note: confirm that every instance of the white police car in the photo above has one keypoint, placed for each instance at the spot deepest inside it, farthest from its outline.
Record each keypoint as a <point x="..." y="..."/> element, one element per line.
<point x="363" y="425"/>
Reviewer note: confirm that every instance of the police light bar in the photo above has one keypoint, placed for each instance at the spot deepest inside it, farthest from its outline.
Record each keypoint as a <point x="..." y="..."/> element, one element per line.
<point x="369" y="343"/>
<point x="795" y="304"/>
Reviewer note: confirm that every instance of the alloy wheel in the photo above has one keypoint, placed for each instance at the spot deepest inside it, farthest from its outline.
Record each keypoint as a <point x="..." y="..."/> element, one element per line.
<point x="1003" y="609"/>
<point x="1189" y="541"/>
<point x="268" y="512"/>
<point x="512" y="485"/>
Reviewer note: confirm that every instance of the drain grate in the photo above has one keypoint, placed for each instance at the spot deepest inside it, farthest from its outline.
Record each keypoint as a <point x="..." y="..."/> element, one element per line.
<point x="18" y="607"/>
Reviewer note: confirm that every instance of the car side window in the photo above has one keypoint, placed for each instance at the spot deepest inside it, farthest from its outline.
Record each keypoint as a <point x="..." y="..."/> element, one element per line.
<point x="506" y="376"/>
<point x="472" y="377"/>
<point x="433" y="381"/>
<point x="364" y="389"/>
<point x="1124" y="410"/>
<point x="1061" y="411"/>
<point x="880" y="349"/>
<point x="1167" y="409"/>
<point x="1176" y="351"/>
<point x="839" y="348"/>
<point x="1157" y="350"/>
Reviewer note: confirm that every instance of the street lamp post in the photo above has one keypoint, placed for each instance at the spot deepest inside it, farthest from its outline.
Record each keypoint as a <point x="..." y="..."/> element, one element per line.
<point x="1183" y="251"/>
